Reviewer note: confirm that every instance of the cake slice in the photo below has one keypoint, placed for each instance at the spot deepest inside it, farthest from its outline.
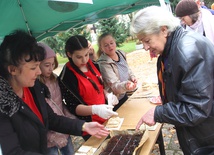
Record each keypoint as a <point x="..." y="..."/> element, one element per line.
<point x="85" y="150"/>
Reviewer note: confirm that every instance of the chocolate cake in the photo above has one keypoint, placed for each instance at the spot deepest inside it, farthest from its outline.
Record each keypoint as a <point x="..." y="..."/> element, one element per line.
<point x="123" y="144"/>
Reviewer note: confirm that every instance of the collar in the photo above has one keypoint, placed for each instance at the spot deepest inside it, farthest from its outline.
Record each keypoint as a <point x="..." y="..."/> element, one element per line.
<point x="104" y="57"/>
<point x="9" y="101"/>
<point x="168" y="44"/>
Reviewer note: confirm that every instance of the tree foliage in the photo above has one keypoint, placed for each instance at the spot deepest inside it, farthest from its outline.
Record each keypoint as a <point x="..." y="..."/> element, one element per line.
<point x="208" y="3"/>
<point x="57" y="42"/>
<point x="119" y="30"/>
<point x="173" y="4"/>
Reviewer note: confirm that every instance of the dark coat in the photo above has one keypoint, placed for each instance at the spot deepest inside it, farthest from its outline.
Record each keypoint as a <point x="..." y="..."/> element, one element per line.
<point x="21" y="132"/>
<point x="189" y="73"/>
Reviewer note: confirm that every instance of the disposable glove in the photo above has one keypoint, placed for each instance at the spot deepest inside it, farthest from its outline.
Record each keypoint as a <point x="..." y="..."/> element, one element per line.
<point x="104" y="111"/>
<point x="112" y="99"/>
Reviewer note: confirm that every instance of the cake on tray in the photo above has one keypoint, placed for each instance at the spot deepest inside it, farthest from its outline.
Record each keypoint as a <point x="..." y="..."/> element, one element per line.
<point x="124" y="142"/>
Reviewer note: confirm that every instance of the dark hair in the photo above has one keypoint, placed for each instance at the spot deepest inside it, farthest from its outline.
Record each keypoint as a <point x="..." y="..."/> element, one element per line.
<point x="15" y="48"/>
<point x="194" y="17"/>
<point x="77" y="43"/>
<point x="74" y="43"/>
<point x="99" y="52"/>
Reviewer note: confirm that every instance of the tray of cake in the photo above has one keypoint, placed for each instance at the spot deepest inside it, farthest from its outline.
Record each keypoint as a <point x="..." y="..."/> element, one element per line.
<point x="123" y="142"/>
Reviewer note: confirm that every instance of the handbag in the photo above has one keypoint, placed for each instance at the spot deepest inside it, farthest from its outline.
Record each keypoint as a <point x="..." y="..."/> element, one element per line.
<point x="194" y="146"/>
<point x="207" y="150"/>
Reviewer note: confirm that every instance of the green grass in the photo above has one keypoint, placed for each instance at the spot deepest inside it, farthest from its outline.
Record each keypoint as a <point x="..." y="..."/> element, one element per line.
<point x="62" y="60"/>
<point x="126" y="47"/>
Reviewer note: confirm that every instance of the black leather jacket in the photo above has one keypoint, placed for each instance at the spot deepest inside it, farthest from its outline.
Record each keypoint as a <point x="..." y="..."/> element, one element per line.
<point x="189" y="72"/>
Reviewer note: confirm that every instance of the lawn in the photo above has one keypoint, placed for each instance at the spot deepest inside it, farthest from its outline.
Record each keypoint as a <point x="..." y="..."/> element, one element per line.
<point x="62" y="60"/>
<point x="126" y="47"/>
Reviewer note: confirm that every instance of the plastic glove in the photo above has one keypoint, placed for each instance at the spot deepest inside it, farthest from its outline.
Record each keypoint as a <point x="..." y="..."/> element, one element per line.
<point x="104" y="111"/>
<point x="112" y="99"/>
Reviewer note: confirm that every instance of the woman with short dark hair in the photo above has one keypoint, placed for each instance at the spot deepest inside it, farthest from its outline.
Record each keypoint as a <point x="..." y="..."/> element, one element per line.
<point x="25" y="117"/>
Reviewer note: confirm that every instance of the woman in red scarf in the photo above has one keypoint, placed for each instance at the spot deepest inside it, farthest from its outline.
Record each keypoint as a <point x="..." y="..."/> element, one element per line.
<point x="82" y="78"/>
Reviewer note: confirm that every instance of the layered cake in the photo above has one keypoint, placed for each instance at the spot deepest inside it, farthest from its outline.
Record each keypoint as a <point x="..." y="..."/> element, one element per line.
<point x="123" y="144"/>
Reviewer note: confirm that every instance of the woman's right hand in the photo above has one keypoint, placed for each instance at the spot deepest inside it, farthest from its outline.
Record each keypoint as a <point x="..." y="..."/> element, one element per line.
<point x="95" y="129"/>
<point x="130" y="85"/>
<point x="104" y="111"/>
<point x="147" y="118"/>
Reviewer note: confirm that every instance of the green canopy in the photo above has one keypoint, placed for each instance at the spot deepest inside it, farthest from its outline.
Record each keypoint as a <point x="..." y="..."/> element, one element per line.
<point x="43" y="18"/>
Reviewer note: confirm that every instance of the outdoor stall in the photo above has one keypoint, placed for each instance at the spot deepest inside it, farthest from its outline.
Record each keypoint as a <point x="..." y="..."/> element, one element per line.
<point x="131" y="112"/>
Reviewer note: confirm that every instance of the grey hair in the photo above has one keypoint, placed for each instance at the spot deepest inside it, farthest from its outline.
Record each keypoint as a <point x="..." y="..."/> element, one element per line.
<point x="150" y="20"/>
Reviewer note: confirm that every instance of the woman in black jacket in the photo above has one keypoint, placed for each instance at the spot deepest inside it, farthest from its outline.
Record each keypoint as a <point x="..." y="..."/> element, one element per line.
<point x="25" y="117"/>
<point x="185" y="70"/>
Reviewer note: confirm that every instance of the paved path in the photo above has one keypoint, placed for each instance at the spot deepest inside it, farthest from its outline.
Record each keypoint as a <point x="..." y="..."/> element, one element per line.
<point x="145" y="71"/>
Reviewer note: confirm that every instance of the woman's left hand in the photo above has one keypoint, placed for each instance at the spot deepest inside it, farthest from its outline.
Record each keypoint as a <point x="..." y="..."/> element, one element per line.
<point x="112" y="99"/>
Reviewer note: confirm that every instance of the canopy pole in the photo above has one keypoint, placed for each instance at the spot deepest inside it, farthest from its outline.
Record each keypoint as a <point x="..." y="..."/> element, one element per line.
<point x="165" y="6"/>
<point x="23" y="14"/>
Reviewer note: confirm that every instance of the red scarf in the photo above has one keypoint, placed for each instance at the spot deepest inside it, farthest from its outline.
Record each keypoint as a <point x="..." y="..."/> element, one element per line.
<point x="28" y="99"/>
<point x="86" y="90"/>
